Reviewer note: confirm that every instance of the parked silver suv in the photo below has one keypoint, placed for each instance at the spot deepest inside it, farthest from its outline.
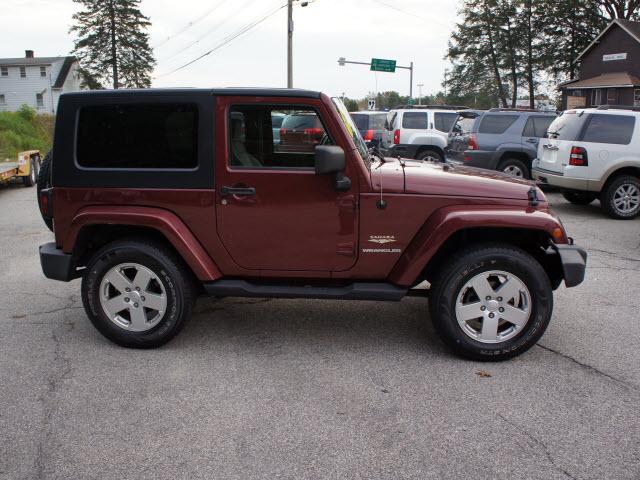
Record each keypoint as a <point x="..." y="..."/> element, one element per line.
<point x="419" y="131"/>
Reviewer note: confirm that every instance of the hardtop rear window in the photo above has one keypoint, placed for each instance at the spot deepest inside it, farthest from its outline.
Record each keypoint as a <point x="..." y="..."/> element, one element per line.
<point x="496" y="124"/>
<point x="361" y="120"/>
<point x="138" y="136"/>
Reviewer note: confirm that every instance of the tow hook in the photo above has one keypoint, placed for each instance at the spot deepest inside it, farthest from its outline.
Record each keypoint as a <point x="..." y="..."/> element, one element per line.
<point x="532" y="194"/>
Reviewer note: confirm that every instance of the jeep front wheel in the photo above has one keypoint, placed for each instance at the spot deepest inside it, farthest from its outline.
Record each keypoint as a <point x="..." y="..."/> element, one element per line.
<point x="429" y="156"/>
<point x="491" y="304"/>
<point x="137" y="294"/>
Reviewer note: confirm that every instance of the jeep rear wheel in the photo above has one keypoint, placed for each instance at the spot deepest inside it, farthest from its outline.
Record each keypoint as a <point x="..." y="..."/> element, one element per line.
<point x="44" y="182"/>
<point x="621" y="197"/>
<point x="137" y="294"/>
<point x="491" y="304"/>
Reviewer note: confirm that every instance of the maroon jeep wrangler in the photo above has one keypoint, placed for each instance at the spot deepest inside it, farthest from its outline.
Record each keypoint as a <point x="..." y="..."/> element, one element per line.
<point x="158" y="196"/>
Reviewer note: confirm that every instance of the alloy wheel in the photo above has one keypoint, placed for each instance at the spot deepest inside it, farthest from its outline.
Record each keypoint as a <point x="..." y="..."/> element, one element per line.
<point x="133" y="297"/>
<point x="626" y="198"/>
<point x="493" y="306"/>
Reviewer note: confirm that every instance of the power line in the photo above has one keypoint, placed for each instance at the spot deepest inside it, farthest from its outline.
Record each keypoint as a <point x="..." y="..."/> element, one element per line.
<point x="204" y="35"/>
<point x="227" y="40"/>
<point x="398" y="9"/>
<point x="191" y="24"/>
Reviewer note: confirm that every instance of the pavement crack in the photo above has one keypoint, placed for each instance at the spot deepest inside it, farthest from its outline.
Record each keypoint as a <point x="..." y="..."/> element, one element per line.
<point x="543" y="446"/>
<point x="61" y="371"/>
<point x="615" y="254"/>
<point x="584" y="365"/>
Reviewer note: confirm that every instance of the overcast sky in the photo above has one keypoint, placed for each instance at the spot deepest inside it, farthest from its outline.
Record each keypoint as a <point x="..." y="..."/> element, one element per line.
<point x="404" y="30"/>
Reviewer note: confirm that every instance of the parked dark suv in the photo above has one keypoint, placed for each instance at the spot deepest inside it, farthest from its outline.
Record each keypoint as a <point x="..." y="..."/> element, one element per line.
<point x="498" y="139"/>
<point x="158" y="196"/>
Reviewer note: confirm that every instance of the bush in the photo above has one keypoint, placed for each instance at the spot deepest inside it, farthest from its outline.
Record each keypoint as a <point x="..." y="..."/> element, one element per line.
<point x="26" y="112"/>
<point x="23" y="131"/>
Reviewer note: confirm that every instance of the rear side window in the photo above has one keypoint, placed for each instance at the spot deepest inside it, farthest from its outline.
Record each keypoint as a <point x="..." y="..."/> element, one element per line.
<point x="391" y="120"/>
<point x="415" y="120"/>
<point x="464" y="125"/>
<point x="496" y="124"/>
<point x="444" y="121"/>
<point x="617" y="129"/>
<point x="153" y="136"/>
<point x="361" y="121"/>
<point x="537" y="127"/>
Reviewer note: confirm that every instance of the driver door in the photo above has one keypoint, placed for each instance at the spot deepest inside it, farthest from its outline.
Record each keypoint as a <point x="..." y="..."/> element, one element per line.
<point x="272" y="211"/>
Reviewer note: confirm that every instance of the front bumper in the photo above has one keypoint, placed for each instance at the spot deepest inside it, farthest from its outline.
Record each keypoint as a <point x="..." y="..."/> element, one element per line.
<point x="574" y="263"/>
<point x="56" y="264"/>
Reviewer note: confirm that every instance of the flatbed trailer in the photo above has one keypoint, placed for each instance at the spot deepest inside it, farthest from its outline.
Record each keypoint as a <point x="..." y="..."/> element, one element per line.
<point x="26" y="168"/>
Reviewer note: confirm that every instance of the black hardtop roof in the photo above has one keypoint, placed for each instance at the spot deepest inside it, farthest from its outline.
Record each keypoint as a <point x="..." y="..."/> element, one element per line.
<point x="249" y="92"/>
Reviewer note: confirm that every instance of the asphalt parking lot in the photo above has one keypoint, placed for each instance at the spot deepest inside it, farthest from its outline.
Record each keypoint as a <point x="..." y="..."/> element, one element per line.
<point x="302" y="389"/>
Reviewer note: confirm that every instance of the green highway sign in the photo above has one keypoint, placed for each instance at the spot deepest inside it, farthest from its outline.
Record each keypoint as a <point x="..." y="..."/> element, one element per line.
<point x="382" y="65"/>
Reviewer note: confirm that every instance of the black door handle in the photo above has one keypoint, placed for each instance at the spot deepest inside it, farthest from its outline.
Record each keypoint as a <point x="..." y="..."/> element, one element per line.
<point x="224" y="191"/>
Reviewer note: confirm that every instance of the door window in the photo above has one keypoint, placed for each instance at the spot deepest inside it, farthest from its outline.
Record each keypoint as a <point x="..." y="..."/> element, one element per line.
<point x="252" y="143"/>
<point x="537" y="127"/>
<point x="444" y="121"/>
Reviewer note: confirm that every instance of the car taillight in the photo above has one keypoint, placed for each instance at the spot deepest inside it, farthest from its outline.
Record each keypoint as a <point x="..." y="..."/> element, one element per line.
<point x="578" y="157"/>
<point x="44" y="203"/>
<point x="473" y="142"/>
<point x="368" y="135"/>
<point x="313" y="131"/>
<point x="283" y="131"/>
<point x="396" y="137"/>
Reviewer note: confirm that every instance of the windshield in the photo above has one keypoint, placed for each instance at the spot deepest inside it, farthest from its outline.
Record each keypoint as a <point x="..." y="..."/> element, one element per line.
<point x="567" y="126"/>
<point x="352" y="129"/>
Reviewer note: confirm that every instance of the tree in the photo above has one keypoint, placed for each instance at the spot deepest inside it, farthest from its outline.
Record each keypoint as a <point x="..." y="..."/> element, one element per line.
<point x="625" y="9"/>
<point x="112" y="43"/>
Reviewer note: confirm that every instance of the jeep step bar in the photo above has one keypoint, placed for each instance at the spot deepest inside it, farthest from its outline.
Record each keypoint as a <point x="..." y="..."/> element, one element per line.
<point x="354" y="291"/>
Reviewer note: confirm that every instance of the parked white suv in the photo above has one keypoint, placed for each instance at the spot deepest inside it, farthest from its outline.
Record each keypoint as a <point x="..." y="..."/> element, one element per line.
<point x="591" y="153"/>
<point x="419" y="132"/>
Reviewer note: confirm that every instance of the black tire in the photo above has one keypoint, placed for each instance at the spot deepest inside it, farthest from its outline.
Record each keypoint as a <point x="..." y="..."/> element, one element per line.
<point x="450" y="281"/>
<point x="579" y="198"/>
<point x="44" y="182"/>
<point x="608" y="197"/>
<point x="510" y="164"/>
<point x="169" y="269"/>
<point x="31" y="179"/>
<point x="429" y="155"/>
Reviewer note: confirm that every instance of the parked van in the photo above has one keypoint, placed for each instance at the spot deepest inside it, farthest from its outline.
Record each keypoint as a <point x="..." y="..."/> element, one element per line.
<point x="591" y="153"/>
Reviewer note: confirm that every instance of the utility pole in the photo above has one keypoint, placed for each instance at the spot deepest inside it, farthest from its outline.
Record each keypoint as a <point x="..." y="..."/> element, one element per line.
<point x="410" y="80"/>
<point x="290" y="44"/>
<point x="420" y="85"/>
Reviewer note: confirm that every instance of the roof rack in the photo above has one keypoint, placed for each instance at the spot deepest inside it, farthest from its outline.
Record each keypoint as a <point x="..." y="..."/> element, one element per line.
<point x="513" y="110"/>
<point x="435" y="107"/>
<point x="619" y="107"/>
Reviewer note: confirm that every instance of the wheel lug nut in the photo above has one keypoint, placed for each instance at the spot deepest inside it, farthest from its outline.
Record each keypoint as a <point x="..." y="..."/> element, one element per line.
<point x="126" y="299"/>
<point x="501" y="309"/>
<point x="488" y="298"/>
<point x="142" y="298"/>
<point x="135" y="305"/>
<point x="483" y="308"/>
<point x="499" y="299"/>
<point x="137" y="289"/>
<point x="127" y="289"/>
<point x="491" y="315"/>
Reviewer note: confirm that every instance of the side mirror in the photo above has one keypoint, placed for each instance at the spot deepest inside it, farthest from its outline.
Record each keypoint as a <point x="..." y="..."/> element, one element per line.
<point x="331" y="159"/>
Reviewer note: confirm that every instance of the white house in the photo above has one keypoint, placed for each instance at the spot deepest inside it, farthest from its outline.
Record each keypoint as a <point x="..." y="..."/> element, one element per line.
<point x="36" y="81"/>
